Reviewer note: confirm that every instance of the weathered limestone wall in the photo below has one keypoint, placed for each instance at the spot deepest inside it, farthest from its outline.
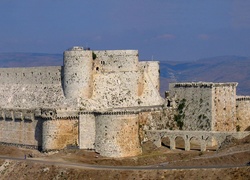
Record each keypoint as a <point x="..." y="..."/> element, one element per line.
<point x="116" y="60"/>
<point x="33" y="87"/>
<point x="120" y="80"/>
<point x="31" y="75"/>
<point x="77" y="71"/>
<point x="224" y="107"/>
<point x="58" y="134"/>
<point x="21" y="132"/>
<point x="115" y="89"/>
<point x="243" y="113"/>
<point x="115" y="79"/>
<point x="148" y="85"/>
<point x="117" y="135"/>
<point x="156" y="120"/>
<point x="194" y="105"/>
<point x="153" y="70"/>
<point x="87" y="131"/>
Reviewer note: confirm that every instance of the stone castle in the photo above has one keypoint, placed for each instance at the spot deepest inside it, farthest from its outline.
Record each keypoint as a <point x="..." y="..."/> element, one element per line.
<point x="108" y="101"/>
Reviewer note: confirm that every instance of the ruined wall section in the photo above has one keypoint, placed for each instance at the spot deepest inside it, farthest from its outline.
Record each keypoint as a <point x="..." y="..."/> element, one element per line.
<point x="31" y="87"/>
<point x="193" y="103"/>
<point x="59" y="133"/>
<point x="117" y="135"/>
<point x="224" y="107"/>
<point x="243" y="113"/>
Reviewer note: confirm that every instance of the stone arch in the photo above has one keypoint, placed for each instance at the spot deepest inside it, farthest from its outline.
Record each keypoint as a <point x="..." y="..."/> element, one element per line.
<point x="165" y="141"/>
<point x="180" y="142"/>
<point x="195" y="143"/>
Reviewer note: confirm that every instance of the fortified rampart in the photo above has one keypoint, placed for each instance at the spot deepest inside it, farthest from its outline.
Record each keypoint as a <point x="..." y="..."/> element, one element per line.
<point x="34" y="87"/>
<point x="108" y="101"/>
<point x="243" y="113"/>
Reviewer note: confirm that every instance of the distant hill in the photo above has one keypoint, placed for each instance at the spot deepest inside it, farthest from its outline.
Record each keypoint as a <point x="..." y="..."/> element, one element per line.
<point x="30" y="59"/>
<point x="215" y="69"/>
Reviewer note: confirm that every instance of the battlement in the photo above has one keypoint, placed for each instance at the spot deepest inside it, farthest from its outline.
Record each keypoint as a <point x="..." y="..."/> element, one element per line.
<point x="19" y="114"/>
<point x="203" y="84"/>
<point x="77" y="48"/>
<point x="243" y="98"/>
<point x="31" y="75"/>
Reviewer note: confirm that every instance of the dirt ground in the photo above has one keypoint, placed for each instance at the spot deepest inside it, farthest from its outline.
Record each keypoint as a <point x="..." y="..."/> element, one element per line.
<point x="232" y="153"/>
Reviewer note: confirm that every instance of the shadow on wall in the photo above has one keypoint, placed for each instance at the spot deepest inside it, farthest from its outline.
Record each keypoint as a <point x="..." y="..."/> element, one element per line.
<point x="248" y="128"/>
<point x="39" y="133"/>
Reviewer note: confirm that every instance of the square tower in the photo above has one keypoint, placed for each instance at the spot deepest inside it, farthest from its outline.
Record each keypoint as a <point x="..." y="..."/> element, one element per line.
<point x="204" y="106"/>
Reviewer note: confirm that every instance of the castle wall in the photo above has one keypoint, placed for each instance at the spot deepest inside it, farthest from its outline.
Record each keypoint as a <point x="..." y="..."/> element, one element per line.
<point x="117" y="135"/>
<point x="224" y="107"/>
<point x="120" y="80"/>
<point x="58" y="134"/>
<point x="87" y="131"/>
<point x="115" y="79"/>
<point x="148" y="85"/>
<point x="243" y="113"/>
<point x="156" y="120"/>
<point x="153" y="70"/>
<point x="194" y="105"/>
<point x="115" y="89"/>
<point x="31" y="75"/>
<point x="30" y="87"/>
<point x="77" y="71"/>
<point x="116" y="60"/>
<point x="21" y="132"/>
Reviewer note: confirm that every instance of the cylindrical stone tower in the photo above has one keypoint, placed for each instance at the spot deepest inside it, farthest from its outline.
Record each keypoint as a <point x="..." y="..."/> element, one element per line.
<point x="77" y="73"/>
<point x="117" y="135"/>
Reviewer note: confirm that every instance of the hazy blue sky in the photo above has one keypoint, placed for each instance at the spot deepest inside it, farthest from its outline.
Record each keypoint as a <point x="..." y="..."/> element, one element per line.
<point x="164" y="29"/>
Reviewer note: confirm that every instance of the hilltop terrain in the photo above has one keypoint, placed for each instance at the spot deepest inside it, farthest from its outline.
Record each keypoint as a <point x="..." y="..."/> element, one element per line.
<point x="215" y="69"/>
<point x="72" y="163"/>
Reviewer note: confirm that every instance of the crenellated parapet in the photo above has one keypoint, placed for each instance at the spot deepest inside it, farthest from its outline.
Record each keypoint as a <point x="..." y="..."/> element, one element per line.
<point x="19" y="114"/>
<point x="203" y="84"/>
<point x="243" y="98"/>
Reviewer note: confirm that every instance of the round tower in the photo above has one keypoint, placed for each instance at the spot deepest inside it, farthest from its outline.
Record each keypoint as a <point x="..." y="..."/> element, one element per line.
<point x="77" y="73"/>
<point x="117" y="134"/>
